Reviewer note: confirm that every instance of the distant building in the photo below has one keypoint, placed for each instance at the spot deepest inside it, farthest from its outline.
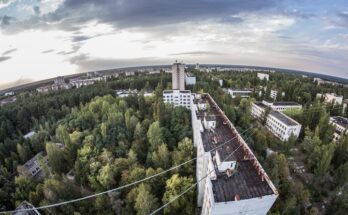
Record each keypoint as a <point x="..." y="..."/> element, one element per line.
<point x="245" y="93"/>
<point x="178" y="98"/>
<point x="341" y="126"/>
<point x="221" y="82"/>
<point x="8" y="100"/>
<point x="11" y="93"/>
<point x="44" y="89"/>
<point x="25" y="208"/>
<point x="81" y="82"/>
<point x="129" y="73"/>
<point x="190" y="79"/>
<point x="32" y="168"/>
<point x="282" y="106"/>
<point x="263" y="76"/>
<point x="274" y="94"/>
<point x="331" y="98"/>
<point x="29" y="135"/>
<point x="178" y="76"/>
<point x="278" y="123"/>
<point x="59" y="80"/>
<point x="197" y="66"/>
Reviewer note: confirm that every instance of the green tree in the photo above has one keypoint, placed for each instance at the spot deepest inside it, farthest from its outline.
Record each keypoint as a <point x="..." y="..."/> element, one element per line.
<point x="56" y="158"/>
<point x="145" y="202"/>
<point x="183" y="205"/>
<point x="161" y="157"/>
<point x="155" y="136"/>
<point x="183" y="153"/>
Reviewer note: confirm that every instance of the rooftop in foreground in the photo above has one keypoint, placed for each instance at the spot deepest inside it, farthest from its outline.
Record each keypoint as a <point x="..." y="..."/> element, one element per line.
<point x="246" y="181"/>
<point x="340" y="121"/>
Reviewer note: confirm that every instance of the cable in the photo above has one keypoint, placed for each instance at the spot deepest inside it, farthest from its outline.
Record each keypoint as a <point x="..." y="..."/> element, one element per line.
<point x="118" y="188"/>
<point x="193" y="185"/>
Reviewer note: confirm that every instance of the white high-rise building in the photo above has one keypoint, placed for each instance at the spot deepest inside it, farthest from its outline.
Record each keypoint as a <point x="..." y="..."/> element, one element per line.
<point x="236" y="183"/>
<point x="178" y="76"/>
<point x="263" y="76"/>
<point x="341" y="126"/>
<point x="178" y="98"/>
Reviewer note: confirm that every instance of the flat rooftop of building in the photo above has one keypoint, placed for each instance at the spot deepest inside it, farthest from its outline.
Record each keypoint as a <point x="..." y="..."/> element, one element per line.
<point x="285" y="103"/>
<point x="260" y="104"/>
<point x="23" y="206"/>
<point x="181" y="91"/>
<point x="340" y="121"/>
<point x="245" y="182"/>
<point x="283" y="118"/>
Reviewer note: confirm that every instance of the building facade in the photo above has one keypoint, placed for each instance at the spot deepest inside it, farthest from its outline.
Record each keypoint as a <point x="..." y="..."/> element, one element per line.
<point x="341" y="126"/>
<point x="331" y="98"/>
<point x="178" y="98"/>
<point x="282" y="106"/>
<point x="246" y="93"/>
<point x="278" y="123"/>
<point x="178" y="76"/>
<point x="263" y="76"/>
<point x="230" y="179"/>
<point x="190" y="79"/>
<point x="274" y="94"/>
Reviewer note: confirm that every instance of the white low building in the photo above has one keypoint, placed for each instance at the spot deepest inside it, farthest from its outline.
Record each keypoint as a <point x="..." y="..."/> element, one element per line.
<point x="278" y="123"/>
<point x="263" y="76"/>
<point x="190" y="79"/>
<point x="244" y="93"/>
<point x="341" y="126"/>
<point x="282" y="106"/>
<point x="231" y="181"/>
<point x="178" y="98"/>
<point x="331" y="98"/>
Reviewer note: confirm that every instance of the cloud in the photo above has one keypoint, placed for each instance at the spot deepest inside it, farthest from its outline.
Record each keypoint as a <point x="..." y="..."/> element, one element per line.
<point x="8" y="51"/>
<point x="6" y="20"/>
<point x="71" y="14"/>
<point x="342" y="19"/>
<point x="197" y="53"/>
<point x="37" y="10"/>
<point x="5" y="3"/>
<point x="47" y="51"/>
<point x="4" y="58"/>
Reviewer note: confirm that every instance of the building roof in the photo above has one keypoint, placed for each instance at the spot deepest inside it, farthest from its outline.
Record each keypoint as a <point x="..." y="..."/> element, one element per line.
<point x="29" y="134"/>
<point x="33" y="161"/>
<point x="245" y="182"/>
<point x="340" y="121"/>
<point x="285" y="103"/>
<point x="260" y="104"/>
<point x="283" y="118"/>
<point x="26" y="205"/>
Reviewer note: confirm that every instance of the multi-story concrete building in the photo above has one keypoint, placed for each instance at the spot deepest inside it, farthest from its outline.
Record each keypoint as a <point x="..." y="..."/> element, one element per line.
<point x="263" y="76"/>
<point x="32" y="168"/>
<point x="236" y="182"/>
<point x="331" y="98"/>
<point x="190" y="79"/>
<point x="341" y="126"/>
<point x="25" y="208"/>
<point x="178" y="98"/>
<point x="245" y="93"/>
<point x="274" y="94"/>
<point x="282" y="106"/>
<point x="178" y="76"/>
<point x="278" y="123"/>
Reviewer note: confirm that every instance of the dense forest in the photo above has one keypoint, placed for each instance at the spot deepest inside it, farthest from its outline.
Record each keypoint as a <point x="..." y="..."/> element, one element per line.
<point x="110" y="141"/>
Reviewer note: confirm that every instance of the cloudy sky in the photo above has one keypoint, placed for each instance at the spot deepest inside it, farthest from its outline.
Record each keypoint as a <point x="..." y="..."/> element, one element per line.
<point x="45" y="38"/>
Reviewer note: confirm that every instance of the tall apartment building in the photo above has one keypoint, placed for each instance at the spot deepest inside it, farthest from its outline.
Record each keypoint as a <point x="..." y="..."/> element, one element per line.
<point x="341" y="126"/>
<point x="278" y="123"/>
<point x="178" y="76"/>
<point x="236" y="182"/>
